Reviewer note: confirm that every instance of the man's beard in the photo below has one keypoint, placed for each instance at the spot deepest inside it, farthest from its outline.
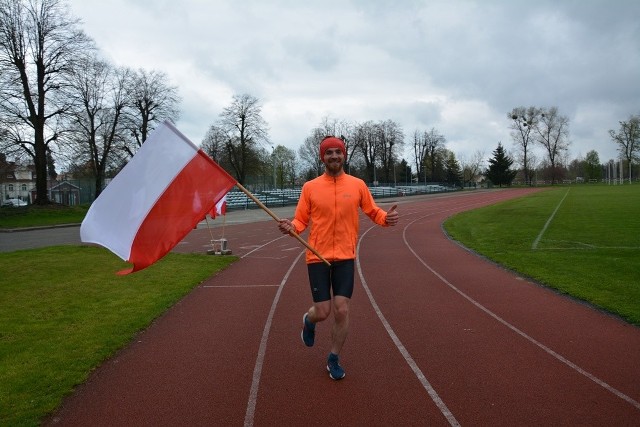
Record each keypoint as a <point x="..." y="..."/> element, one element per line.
<point x="334" y="166"/>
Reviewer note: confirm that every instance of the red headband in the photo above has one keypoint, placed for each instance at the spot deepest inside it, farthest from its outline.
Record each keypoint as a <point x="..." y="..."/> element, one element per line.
<point x="332" y="142"/>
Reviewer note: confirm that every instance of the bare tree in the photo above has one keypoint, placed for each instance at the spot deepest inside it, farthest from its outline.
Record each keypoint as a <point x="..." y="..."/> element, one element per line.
<point x="391" y="141"/>
<point x="246" y="130"/>
<point x="472" y="167"/>
<point x="432" y="143"/>
<point x="523" y="122"/>
<point x="39" y="46"/>
<point x="419" y="154"/>
<point x="628" y="140"/>
<point x="151" y="100"/>
<point x="214" y="143"/>
<point x="335" y="127"/>
<point x="345" y="131"/>
<point x="309" y="151"/>
<point x="552" y="132"/>
<point x="97" y="122"/>
<point x="367" y="139"/>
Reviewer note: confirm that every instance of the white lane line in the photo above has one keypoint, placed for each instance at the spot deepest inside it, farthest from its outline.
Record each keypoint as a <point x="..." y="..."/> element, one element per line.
<point x="534" y="246"/>
<point x="402" y="349"/>
<point x="532" y="340"/>
<point x="257" y="370"/>
<point x="240" y="286"/>
<point x="257" y="248"/>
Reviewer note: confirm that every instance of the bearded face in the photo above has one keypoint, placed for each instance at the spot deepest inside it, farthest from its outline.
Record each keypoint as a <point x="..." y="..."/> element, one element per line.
<point x="333" y="161"/>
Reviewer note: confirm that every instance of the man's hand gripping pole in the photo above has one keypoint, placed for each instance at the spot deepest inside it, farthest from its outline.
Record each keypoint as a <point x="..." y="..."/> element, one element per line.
<point x="275" y="217"/>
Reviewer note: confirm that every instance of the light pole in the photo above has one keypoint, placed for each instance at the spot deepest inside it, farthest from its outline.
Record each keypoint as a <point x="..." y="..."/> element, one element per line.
<point x="395" y="181"/>
<point x="375" y="180"/>
<point x="424" y="163"/>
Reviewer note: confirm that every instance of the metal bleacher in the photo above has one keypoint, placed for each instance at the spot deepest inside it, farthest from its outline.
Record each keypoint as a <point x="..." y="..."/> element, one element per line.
<point x="236" y="199"/>
<point x="271" y="198"/>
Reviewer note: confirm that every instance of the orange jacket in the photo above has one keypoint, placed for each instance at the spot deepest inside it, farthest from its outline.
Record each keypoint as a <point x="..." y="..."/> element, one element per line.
<point x="331" y="205"/>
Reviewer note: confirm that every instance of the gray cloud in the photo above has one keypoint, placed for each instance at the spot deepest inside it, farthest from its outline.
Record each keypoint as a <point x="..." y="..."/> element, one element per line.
<point x="458" y="66"/>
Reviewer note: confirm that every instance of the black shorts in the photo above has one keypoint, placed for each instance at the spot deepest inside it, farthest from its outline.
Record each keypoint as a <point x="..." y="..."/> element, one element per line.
<point x="337" y="279"/>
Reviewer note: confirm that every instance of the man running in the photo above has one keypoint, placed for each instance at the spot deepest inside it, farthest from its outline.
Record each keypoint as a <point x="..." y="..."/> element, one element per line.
<point x="330" y="203"/>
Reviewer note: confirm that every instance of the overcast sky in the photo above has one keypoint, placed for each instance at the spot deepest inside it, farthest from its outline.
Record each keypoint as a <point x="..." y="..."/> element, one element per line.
<point x="457" y="66"/>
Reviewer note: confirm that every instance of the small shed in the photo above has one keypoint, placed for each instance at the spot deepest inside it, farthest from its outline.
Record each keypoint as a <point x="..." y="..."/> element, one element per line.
<point x="65" y="193"/>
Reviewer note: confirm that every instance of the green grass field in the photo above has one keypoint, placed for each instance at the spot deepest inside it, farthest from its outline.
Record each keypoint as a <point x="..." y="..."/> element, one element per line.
<point x="33" y="215"/>
<point x="589" y="249"/>
<point x="64" y="311"/>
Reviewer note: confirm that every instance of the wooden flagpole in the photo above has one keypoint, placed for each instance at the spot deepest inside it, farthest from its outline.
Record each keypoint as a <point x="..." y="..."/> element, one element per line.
<point x="275" y="217"/>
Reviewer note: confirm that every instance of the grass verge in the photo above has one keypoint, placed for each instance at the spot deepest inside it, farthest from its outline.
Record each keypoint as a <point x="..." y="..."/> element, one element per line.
<point x="65" y="311"/>
<point x="34" y="215"/>
<point x="589" y="249"/>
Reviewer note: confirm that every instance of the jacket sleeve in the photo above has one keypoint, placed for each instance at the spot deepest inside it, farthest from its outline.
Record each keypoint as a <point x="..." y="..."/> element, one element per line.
<point x="301" y="217"/>
<point x="369" y="207"/>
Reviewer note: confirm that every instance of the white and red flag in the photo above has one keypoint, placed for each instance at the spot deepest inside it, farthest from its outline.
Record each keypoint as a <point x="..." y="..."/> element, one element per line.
<point x="156" y="200"/>
<point x="220" y="208"/>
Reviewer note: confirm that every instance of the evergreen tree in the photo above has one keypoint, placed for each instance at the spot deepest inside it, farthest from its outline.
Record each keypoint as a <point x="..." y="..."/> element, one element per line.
<point x="453" y="170"/>
<point x="499" y="171"/>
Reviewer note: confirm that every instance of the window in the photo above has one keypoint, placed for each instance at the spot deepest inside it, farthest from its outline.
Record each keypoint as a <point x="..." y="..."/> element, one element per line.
<point x="24" y="187"/>
<point x="10" y="187"/>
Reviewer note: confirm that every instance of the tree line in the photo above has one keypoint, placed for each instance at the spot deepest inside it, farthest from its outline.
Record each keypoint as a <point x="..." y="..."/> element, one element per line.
<point x="239" y="142"/>
<point x="547" y="128"/>
<point x="60" y="101"/>
<point x="376" y="150"/>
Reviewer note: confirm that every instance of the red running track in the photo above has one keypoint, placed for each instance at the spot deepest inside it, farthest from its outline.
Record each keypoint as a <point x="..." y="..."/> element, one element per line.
<point x="439" y="336"/>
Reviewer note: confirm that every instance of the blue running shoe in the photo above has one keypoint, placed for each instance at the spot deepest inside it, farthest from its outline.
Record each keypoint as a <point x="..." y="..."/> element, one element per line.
<point x="308" y="333"/>
<point x="333" y="366"/>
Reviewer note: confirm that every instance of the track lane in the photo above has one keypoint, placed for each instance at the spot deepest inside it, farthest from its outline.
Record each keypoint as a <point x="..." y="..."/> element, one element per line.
<point x="195" y="365"/>
<point x="487" y="374"/>
<point x="562" y="326"/>
<point x="295" y="388"/>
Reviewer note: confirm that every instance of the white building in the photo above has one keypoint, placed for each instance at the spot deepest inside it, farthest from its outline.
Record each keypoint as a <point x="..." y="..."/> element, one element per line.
<point x="17" y="182"/>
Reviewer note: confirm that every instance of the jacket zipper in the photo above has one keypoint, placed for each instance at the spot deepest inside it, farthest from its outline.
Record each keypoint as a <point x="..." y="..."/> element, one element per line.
<point x="335" y="214"/>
